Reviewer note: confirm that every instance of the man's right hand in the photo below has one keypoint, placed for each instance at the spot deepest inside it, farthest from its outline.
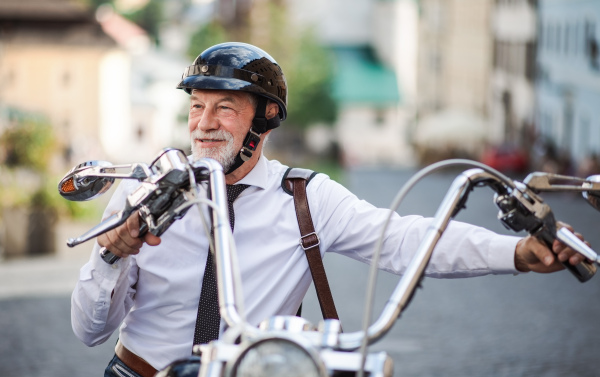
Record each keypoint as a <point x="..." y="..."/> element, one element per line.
<point x="124" y="240"/>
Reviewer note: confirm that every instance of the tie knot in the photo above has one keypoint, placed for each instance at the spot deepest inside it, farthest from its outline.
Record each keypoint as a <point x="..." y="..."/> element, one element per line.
<point x="233" y="191"/>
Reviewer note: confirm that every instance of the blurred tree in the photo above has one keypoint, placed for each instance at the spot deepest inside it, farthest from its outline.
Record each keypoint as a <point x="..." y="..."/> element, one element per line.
<point x="93" y="4"/>
<point x="149" y="17"/>
<point x="27" y="146"/>
<point x="309" y="76"/>
<point x="307" y="65"/>
<point x="207" y="35"/>
<point x="28" y="142"/>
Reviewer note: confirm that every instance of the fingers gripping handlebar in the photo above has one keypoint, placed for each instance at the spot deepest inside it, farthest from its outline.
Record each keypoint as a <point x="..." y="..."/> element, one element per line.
<point x="522" y="210"/>
<point x="167" y="184"/>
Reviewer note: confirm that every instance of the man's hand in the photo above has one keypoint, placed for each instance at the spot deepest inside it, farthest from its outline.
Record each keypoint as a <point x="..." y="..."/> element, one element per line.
<point x="532" y="254"/>
<point x="124" y="240"/>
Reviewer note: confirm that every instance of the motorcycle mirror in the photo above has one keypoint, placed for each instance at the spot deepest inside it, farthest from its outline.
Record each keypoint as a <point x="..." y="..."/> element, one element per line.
<point x="593" y="197"/>
<point x="77" y="186"/>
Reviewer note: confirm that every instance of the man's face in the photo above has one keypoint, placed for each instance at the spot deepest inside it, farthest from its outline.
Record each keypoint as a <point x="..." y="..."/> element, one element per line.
<point x="218" y="122"/>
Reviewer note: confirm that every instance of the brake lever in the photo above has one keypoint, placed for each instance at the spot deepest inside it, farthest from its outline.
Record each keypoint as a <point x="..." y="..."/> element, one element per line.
<point x="175" y="211"/>
<point x="107" y="224"/>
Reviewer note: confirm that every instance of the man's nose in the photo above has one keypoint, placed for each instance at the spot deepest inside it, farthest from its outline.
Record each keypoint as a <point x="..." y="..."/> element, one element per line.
<point x="207" y="121"/>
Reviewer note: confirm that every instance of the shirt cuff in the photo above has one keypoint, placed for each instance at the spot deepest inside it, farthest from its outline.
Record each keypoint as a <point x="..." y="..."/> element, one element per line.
<point x="502" y="254"/>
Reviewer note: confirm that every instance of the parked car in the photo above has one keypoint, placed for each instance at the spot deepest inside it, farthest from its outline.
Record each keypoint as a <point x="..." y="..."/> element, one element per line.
<point x="506" y="158"/>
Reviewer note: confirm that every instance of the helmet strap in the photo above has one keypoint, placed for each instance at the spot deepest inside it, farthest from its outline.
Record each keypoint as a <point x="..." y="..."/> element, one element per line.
<point x="260" y="125"/>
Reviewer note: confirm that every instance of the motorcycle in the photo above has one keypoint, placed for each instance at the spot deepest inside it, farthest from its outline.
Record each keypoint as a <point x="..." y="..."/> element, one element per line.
<point x="289" y="345"/>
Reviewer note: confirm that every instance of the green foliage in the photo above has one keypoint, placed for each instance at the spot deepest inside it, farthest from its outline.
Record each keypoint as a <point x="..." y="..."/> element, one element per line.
<point x="93" y="4"/>
<point x="329" y="167"/>
<point x="149" y="17"/>
<point x="309" y="80"/>
<point x="307" y="65"/>
<point x="47" y="196"/>
<point x="28" y="145"/>
<point x="206" y="36"/>
<point x="28" y="142"/>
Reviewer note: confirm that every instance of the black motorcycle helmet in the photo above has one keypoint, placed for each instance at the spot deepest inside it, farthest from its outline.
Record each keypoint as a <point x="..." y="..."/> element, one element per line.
<point x="238" y="66"/>
<point x="247" y="68"/>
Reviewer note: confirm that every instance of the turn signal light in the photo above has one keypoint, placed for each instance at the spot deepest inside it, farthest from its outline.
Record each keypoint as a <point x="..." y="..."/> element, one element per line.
<point x="68" y="186"/>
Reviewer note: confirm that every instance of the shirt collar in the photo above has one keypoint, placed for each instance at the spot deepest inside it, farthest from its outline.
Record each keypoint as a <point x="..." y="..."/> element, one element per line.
<point x="258" y="176"/>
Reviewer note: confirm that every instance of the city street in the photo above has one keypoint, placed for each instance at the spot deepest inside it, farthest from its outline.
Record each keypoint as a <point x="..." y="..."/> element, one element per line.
<point x="528" y="325"/>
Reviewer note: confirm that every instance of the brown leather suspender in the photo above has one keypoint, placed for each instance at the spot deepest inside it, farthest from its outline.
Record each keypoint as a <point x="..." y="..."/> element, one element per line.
<point x="295" y="181"/>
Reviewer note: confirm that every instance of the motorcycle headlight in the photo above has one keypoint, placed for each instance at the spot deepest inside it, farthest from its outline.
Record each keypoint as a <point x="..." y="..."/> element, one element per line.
<point x="277" y="357"/>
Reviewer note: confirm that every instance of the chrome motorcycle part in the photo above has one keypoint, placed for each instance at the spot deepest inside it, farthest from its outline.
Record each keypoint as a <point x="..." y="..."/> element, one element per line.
<point x="278" y="356"/>
<point x="593" y="196"/>
<point x="286" y="323"/>
<point x="77" y="186"/>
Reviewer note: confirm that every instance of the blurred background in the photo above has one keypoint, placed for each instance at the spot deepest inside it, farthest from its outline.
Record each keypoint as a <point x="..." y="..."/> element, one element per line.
<point x="401" y="84"/>
<point x="373" y="84"/>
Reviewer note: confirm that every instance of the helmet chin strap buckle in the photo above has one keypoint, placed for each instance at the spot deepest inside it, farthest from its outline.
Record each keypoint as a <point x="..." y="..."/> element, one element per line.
<point x="250" y="144"/>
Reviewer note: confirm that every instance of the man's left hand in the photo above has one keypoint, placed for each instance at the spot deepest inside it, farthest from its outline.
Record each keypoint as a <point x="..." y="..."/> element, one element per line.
<point x="532" y="254"/>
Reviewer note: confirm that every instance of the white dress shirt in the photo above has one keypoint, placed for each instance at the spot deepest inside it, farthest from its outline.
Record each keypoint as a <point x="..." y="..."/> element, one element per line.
<point x="154" y="295"/>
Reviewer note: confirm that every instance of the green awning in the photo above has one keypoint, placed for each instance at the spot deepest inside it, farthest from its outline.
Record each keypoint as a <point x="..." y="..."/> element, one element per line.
<point x="360" y="78"/>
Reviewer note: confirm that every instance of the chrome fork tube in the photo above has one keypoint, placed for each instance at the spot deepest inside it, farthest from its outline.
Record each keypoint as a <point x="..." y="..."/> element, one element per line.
<point x="228" y="278"/>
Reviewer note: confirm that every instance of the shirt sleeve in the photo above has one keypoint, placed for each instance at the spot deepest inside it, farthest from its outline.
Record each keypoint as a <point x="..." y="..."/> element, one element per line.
<point x="104" y="293"/>
<point x="350" y="226"/>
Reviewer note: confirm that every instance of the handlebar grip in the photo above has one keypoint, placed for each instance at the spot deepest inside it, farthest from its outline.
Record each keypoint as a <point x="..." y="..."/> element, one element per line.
<point x="584" y="271"/>
<point x="109" y="257"/>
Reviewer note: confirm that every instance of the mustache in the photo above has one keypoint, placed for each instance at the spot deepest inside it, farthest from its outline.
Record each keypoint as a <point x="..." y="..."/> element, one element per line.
<point x="216" y="134"/>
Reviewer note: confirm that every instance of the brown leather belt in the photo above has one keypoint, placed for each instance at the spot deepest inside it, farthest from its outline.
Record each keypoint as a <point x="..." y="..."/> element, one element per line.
<point x="134" y="362"/>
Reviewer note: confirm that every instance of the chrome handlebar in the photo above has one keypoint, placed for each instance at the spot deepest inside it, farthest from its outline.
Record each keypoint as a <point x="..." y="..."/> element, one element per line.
<point x="171" y="175"/>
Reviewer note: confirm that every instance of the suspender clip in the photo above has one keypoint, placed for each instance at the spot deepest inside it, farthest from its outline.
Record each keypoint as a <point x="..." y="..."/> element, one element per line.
<point x="307" y="243"/>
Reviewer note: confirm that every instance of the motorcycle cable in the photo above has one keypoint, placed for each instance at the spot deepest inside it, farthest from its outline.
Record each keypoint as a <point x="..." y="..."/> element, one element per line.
<point x="399" y="198"/>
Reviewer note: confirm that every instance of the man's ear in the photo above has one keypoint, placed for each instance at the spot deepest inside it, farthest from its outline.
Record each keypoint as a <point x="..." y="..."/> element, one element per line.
<point x="272" y="110"/>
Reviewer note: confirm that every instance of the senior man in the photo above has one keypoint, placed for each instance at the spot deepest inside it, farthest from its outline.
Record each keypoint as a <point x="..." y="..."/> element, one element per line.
<point x="161" y="289"/>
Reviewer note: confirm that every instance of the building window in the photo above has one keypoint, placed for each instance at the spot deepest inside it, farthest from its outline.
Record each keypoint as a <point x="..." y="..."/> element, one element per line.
<point x="576" y="39"/>
<point x="140" y="132"/>
<point x="66" y="78"/>
<point x="567" y="36"/>
<point x="496" y="57"/>
<point x="558" y="33"/>
<point x="591" y="44"/>
<point x="379" y="117"/>
<point x="530" y="56"/>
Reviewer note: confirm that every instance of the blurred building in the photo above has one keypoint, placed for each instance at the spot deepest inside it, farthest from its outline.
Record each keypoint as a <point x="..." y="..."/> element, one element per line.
<point x="568" y="84"/>
<point x="454" y="68"/>
<point x="368" y="127"/>
<point x="53" y="56"/>
<point x="154" y="112"/>
<point x="512" y="91"/>
<point x="94" y="76"/>
<point x="374" y="113"/>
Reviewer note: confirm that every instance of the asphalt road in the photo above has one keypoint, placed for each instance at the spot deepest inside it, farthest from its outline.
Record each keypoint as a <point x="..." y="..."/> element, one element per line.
<point x="527" y="325"/>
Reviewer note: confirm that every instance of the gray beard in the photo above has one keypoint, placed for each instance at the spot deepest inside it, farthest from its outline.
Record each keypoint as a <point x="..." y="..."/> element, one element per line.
<point x="224" y="155"/>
